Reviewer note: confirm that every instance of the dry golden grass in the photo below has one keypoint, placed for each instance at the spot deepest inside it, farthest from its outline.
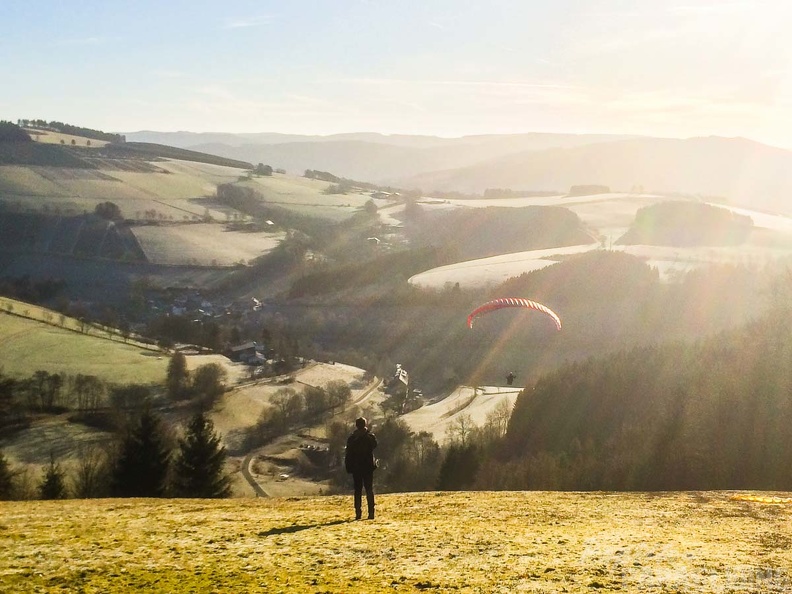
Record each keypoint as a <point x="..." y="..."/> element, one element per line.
<point x="50" y="137"/>
<point x="435" y="542"/>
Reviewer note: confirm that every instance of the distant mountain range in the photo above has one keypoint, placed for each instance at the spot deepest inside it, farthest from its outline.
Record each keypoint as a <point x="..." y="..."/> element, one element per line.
<point x="366" y="156"/>
<point x="736" y="170"/>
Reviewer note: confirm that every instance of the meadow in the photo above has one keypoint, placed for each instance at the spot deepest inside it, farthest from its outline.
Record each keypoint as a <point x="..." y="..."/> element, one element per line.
<point x="306" y="196"/>
<point x="203" y="244"/>
<point x="27" y="346"/>
<point x="174" y="191"/>
<point x="464" y="542"/>
<point x="50" y="137"/>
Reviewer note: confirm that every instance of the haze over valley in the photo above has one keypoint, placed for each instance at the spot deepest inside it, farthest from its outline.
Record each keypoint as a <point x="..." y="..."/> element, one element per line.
<point x="544" y="250"/>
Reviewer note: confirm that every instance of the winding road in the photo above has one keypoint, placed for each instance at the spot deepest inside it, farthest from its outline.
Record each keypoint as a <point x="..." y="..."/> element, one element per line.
<point x="260" y="492"/>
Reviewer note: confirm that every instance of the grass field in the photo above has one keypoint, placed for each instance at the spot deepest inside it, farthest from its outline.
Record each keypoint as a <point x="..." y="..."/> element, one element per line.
<point x="173" y="188"/>
<point x="49" y="137"/>
<point x="240" y="408"/>
<point x="202" y="243"/>
<point x="27" y="346"/>
<point x="479" y="542"/>
<point x="33" y="338"/>
<point x="306" y="196"/>
<point x="18" y="180"/>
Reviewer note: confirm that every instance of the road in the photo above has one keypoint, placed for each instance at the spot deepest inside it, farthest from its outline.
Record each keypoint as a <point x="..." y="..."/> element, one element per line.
<point x="257" y="488"/>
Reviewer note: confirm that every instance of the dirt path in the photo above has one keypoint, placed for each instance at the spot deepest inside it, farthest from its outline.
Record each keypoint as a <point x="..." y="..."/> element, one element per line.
<point x="249" y="477"/>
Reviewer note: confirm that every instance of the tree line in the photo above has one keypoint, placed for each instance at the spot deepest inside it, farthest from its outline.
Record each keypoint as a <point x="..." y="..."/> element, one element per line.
<point x="10" y="132"/>
<point x="93" y="400"/>
<point x="70" y="129"/>
<point x="291" y="409"/>
<point x="145" y="460"/>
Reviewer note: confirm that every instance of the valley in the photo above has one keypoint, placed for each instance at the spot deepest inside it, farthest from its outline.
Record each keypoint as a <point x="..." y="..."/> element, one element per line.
<point x="354" y="274"/>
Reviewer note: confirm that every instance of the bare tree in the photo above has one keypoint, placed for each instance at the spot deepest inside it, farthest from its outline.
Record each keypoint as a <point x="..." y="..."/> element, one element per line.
<point x="87" y="391"/>
<point x="498" y="418"/>
<point x="459" y="431"/>
<point x="338" y="393"/>
<point x="90" y="479"/>
<point x="288" y="403"/>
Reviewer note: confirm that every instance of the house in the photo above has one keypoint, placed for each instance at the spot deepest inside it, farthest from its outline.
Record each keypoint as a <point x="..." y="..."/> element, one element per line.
<point x="251" y="353"/>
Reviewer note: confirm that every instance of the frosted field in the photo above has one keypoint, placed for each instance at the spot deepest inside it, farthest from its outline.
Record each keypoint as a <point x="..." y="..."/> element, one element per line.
<point x="306" y="196"/>
<point x="462" y="543"/>
<point x="610" y="215"/>
<point x="187" y="190"/>
<point x="202" y="243"/>
<point x="437" y="418"/>
<point x="496" y="269"/>
<point x="763" y="220"/>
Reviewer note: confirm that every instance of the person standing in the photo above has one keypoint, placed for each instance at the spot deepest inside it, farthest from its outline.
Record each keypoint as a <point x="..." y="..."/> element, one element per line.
<point x="359" y="462"/>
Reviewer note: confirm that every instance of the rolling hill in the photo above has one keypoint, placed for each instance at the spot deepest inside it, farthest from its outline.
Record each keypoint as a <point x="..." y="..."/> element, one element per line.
<point x="738" y="170"/>
<point x="741" y="171"/>
<point x="420" y="542"/>
<point x="33" y="338"/>
<point x="367" y="156"/>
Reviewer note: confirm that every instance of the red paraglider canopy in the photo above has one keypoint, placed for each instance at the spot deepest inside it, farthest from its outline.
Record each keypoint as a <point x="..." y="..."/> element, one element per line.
<point x="496" y="304"/>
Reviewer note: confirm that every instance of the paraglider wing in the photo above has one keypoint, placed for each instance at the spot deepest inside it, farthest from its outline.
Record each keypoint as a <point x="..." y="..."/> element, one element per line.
<point x="496" y="304"/>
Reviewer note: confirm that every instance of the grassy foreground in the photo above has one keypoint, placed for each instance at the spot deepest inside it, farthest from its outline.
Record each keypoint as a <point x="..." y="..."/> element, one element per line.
<point x="435" y="542"/>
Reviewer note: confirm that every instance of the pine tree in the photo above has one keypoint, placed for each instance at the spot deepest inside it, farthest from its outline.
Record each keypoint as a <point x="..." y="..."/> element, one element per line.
<point x="176" y="380"/>
<point x="141" y="466"/>
<point x="199" y="463"/>
<point x="53" y="485"/>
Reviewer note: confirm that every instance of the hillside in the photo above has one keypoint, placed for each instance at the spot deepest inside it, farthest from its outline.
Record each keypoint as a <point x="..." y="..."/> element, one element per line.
<point x="34" y="338"/>
<point x="711" y="414"/>
<point x="483" y="232"/>
<point x="681" y="223"/>
<point x="366" y="156"/>
<point x="744" y="172"/>
<point x="158" y="151"/>
<point x="437" y="542"/>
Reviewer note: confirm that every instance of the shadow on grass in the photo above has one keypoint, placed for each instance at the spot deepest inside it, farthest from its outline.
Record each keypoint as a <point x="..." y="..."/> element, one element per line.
<point x="299" y="528"/>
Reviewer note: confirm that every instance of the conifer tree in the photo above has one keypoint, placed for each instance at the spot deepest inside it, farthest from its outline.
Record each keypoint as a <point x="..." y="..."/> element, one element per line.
<point x="53" y="485"/>
<point x="141" y="466"/>
<point x="176" y="380"/>
<point x="199" y="464"/>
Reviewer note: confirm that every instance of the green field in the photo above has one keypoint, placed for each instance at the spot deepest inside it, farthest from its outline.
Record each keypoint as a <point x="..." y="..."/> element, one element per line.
<point x="28" y="345"/>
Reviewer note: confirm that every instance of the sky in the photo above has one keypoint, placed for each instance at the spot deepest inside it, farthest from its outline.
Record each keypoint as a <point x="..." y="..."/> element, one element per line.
<point x="436" y="67"/>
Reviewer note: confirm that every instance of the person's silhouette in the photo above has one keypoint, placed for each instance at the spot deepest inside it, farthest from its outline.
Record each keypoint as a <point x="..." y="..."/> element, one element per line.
<point x="359" y="462"/>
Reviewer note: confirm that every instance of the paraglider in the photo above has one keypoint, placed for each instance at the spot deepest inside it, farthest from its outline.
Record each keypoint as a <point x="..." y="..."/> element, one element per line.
<point x="496" y="304"/>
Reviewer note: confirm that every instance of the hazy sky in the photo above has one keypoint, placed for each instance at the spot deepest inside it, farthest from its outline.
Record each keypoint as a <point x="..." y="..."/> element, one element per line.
<point x="444" y="67"/>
